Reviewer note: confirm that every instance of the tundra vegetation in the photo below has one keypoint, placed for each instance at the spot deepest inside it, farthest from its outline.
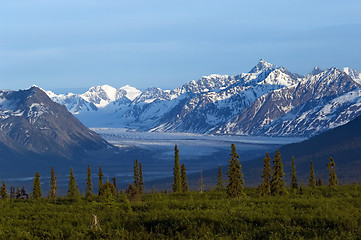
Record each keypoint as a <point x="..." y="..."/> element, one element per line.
<point x="229" y="211"/>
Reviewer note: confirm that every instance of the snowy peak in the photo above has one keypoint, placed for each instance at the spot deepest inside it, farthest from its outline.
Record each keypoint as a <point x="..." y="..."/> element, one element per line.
<point x="279" y="77"/>
<point x="22" y="100"/>
<point x="151" y="94"/>
<point x="262" y="66"/>
<point x="100" y="96"/>
<point x="96" y="98"/>
<point x="213" y="82"/>
<point x="316" y="70"/>
<point x="268" y="74"/>
<point x="31" y="105"/>
<point x="355" y="75"/>
<point x="129" y="92"/>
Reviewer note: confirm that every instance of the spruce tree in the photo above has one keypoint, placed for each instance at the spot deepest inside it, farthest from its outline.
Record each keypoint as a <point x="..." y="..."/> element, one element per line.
<point x="12" y="192"/>
<point x="73" y="191"/>
<point x="36" y="186"/>
<point x="3" y="192"/>
<point x="108" y="193"/>
<point x="312" y="180"/>
<point x="319" y="182"/>
<point x="333" y="181"/>
<point x="176" y="171"/>
<point x="278" y="186"/>
<point x="136" y="176"/>
<point x="53" y="185"/>
<point x="132" y="193"/>
<point x="265" y="188"/>
<point x="235" y="176"/>
<point x="220" y="179"/>
<point x="184" y="179"/>
<point x="100" y="183"/>
<point x="201" y="184"/>
<point x="294" y="184"/>
<point x="141" y="182"/>
<point x="114" y="179"/>
<point x="89" y="184"/>
<point x="17" y="193"/>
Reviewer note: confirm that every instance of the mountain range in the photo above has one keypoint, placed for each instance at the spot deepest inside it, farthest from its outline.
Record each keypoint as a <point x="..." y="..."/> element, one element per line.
<point x="268" y="100"/>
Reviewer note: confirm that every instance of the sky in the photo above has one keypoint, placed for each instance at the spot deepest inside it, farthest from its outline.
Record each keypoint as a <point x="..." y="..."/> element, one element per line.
<point x="63" y="45"/>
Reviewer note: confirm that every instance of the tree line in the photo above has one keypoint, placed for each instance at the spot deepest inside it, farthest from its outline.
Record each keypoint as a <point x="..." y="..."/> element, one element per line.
<point x="106" y="189"/>
<point x="273" y="183"/>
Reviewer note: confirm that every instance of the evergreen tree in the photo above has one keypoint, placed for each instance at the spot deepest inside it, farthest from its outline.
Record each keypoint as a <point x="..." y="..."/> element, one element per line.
<point x="17" y="193"/>
<point x="108" y="193"/>
<point x="141" y="182"/>
<point x="235" y="176"/>
<point x="265" y="188"/>
<point x="319" y="182"/>
<point x="110" y="187"/>
<point x="184" y="179"/>
<point x="12" y="192"/>
<point x="73" y="191"/>
<point x="115" y="184"/>
<point x="176" y="173"/>
<point x="36" y="186"/>
<point x="333" y="181"/>
<point x="278" y="186"/>
<point x="132" y="193"/>
<point x="136" y="176"/>
<point x="3" y="192"/>
<point x="294" y="184"/>
<point x="312" y="180"/>
<point x="89" y="184"/>
<point x="53" y="185"/>
<point x="201" y="184"/>
<point x="100" y="183"/>
<point x="220" y="179"/>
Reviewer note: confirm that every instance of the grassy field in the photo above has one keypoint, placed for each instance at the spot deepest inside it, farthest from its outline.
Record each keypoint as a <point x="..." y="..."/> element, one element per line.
<point x="314" y="214"/>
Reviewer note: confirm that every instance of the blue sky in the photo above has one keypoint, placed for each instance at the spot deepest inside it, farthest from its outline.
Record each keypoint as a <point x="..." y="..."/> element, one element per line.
<point x="78" y="44"/>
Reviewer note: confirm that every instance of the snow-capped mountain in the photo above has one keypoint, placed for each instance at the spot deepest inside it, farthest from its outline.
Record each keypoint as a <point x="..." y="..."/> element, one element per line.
<point x="318" y="103"/>
<point x="96" y="98"/>
<point x="30" y="123"/>
<point x="267" y="100"/>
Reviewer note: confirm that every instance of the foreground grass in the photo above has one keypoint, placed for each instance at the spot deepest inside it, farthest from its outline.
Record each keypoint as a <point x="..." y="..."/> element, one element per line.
<point x="316" y="214"/>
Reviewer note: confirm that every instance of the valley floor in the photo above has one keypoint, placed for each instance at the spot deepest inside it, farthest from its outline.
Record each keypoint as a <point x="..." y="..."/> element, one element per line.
<point x="310" y="214"/>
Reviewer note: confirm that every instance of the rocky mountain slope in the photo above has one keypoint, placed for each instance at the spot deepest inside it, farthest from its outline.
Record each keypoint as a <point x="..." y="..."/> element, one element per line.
<point x="269" y="100"/>
<point x="30" y="123"/>
<point x="318" y="103"/>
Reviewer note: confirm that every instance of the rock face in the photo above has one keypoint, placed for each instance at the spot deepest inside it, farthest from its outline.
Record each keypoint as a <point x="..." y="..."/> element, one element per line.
<point x="269" y="100"/>
<point x="31" y="123"/>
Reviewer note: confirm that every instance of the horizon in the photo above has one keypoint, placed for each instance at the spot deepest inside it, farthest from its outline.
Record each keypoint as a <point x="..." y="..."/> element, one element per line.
<point x="81" y="90"/>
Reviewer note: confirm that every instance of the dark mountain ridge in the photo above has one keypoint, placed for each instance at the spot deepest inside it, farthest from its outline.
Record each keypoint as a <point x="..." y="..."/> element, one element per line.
<point x="30" y="122"/>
